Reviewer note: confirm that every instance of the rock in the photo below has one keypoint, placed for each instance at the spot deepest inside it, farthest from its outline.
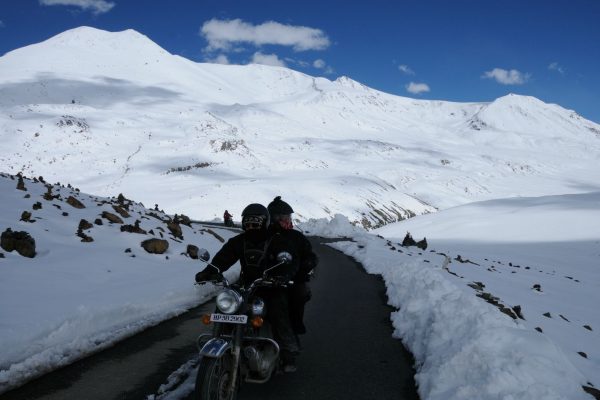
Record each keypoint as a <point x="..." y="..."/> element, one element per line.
<point x="589" y="328"/>
<point x="65" y="214"/>
<point x="48" y="195"/>
<point x="98" y="221"/>
<point x="85" y="238"/>
<point x="183" y="219"/>
<point x="133" y="228"/>
<point x="21" y="184"/>
<point x="74" y="202"/>
<point x="582" y="354"/>
<point x="537" y="328"/>
<point x="175" y="229"/>
<point x="408" y="240"/>
<point x="547" y="315"/>
<point x="476" y="285"/>
<point x="21" y="241"/>
<point x="37" y="206"/>
<point x="112" y="217"/>
<point x="508" y="312"/>
<point x="83" y="225"/>
<point x="26" y="216"/>
<point x="155" y="246"/>
<point x="192" y="251"/>
<point x="422" y="244"/>
<point x="1" y="255"/>
<point x="27" y="196"/>
<point x="128" y="250"/>
<point x="121" y="211"/>
<point x="537" y="287"/>
<point x="518" y="311"/>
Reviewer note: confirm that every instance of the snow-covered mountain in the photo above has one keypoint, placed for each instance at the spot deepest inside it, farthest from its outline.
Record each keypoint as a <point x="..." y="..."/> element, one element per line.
<point x="114" y="112"/>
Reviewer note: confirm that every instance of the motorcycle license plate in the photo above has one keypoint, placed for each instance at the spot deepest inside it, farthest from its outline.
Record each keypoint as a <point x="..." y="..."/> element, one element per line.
<point x="229" y="319"/>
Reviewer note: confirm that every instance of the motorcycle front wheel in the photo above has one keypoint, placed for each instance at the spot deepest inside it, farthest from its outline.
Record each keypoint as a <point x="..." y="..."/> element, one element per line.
<point x="213" y="379"/>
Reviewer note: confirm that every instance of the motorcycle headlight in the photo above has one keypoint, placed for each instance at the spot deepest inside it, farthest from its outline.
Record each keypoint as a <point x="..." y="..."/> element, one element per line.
<point x="258" y="307"/>
<point x="229" y="301"/>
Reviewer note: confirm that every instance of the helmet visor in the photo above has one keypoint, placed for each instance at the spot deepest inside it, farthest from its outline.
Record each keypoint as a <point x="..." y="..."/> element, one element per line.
<point x="253" y="222"/>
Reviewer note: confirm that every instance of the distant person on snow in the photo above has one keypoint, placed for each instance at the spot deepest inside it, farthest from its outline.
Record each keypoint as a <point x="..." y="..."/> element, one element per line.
<point x="228" y="218"/>
<point x="299" y="293"/>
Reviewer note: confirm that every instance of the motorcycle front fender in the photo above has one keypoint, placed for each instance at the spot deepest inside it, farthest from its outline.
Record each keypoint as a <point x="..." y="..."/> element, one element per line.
<point x="215" y="347"/>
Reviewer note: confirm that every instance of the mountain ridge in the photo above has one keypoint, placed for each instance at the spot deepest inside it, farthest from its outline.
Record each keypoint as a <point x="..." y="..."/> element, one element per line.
<point x="112" y="124"/>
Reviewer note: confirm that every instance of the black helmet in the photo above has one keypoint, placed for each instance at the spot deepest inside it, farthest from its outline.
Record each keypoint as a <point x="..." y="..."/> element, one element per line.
<point x="279" y="207"/>
<point x="255" y="216"/>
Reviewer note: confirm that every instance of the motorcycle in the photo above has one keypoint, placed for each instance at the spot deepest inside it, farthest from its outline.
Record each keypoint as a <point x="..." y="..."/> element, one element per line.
<point x="241" y="347"/>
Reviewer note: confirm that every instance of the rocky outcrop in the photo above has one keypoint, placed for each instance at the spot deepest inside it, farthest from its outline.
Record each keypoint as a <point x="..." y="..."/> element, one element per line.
<point x="121" y="211"/>
<point x="84" y="224"/>
<point x="409" y="241"/>
<point x="21" y="184"/>
<point x="21" y="241"/>
<point x="133" y="228"/>
<point x="112" y="217"/>
<point x="183" y="219"/>
<point x="155" y="246"/>
<point x="74" y="202"/>
<point x="175" y="229"/>
<point x="48" y="195"/>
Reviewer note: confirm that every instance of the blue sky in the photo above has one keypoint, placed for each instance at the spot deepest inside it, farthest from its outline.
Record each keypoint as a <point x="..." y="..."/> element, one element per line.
<point x="456" y="50"/>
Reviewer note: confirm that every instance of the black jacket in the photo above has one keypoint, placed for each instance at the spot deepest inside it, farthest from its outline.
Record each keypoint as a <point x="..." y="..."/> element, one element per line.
<point x="257" y="251"/>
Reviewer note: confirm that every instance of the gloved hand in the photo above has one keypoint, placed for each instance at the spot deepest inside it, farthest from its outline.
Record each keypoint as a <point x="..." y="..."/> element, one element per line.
<point x="280" y="280"/>
<point x="207" y="274"/>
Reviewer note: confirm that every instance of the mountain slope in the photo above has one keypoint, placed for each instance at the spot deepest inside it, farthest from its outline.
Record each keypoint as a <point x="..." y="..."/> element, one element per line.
<point x="113" y="112"/>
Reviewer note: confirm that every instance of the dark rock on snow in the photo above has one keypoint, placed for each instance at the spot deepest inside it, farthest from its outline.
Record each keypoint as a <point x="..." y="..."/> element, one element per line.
<point x="192" y="251"/>
<point x="155" y="246"/>
<point x="74" y="202"/>
<point x="112" y="217"/>
<point x="21" y="241"/>
<point x="133" y="228"/>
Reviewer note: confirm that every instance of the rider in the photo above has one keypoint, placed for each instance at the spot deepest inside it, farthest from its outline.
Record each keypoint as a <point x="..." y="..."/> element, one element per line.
<point x="299" y="293"/>
<point x="227" y="217"/>
<point x="256" y="250"/>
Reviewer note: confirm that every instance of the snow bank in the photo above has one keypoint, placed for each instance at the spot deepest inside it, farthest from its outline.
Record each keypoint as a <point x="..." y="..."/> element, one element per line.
<point x="464" y="348"/>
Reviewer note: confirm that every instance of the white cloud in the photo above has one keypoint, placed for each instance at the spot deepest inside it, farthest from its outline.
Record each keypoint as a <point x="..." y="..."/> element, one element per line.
<point x="555" y="67"/>
<point x="319" y="64"/>
<point x="267" y="59"/>
<point x="417" y="88"/>
<point x="505" y="77"/>
<point x="221" y="34"/>
<point x="220" y="59"/>
<point x="405" y="69"/>
<point x="96" y="6"/>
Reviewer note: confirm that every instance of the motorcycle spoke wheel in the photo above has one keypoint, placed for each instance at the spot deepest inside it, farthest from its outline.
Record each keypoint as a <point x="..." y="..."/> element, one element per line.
<point x="213" y="379"/>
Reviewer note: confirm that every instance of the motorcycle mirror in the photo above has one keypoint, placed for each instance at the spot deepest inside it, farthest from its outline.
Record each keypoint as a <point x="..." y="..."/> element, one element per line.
<point x="203" y="255"/>
<point x="284" y="257"/>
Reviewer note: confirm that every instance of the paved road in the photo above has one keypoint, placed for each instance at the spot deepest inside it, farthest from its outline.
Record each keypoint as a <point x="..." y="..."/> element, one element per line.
<point x="348" y="352"/>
